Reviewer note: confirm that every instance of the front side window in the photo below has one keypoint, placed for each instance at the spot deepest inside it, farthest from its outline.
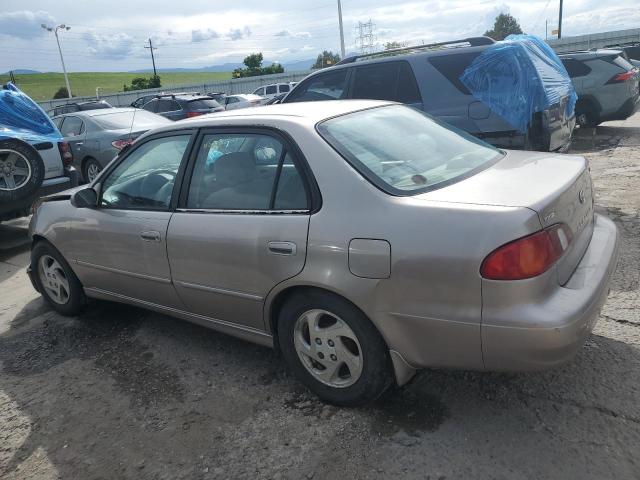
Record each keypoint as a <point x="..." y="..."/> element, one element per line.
<point x="404" y="151"/>
<point x="284" y="88"/>
<point x="168" y="106"/>
<point x="242" y="172"/>
<point x="327" y="86"/>
<point x="144" y="180"/>
<point x="271" y="90"/>
<point x="151" y="106"/>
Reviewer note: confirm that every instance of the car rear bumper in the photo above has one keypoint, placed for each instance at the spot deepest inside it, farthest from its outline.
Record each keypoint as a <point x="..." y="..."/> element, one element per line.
<point x="554" y="330"/>
<point x="627" y="109"/>
<point x="49" y="186"/>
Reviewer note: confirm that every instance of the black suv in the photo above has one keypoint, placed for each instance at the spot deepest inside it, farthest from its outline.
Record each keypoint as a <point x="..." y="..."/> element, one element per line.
<point x="428" y="77"/>
<point x="177" y="106"/>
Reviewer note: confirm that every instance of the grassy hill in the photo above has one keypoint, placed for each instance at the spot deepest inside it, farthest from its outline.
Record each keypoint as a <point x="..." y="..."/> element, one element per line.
<point x="42" y="86"/>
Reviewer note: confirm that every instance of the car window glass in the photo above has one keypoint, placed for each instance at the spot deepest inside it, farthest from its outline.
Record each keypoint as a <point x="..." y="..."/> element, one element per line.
<point x="271" y="89"/>
<point x="203" y="104"/>
<point x="168" y="106"/>
<point x="576" y="68"/>
<point x="145" y="178"/>
<point x="232" y="100"/>
<point x="259" y="91"/>
<point x="376" y="82"/>
<point x="151" y="106"/>
<point x="72" y="127"/>
<point x="327" y="86"/>
<point x="407" y="90"/>
<point x="238" y="172"/>
<point x="452" y="66"/>
<point x="58" y="121"/>
<point x="388" y="144"/>
<point x="284" y="88"/>
<point x="290" y="194"/>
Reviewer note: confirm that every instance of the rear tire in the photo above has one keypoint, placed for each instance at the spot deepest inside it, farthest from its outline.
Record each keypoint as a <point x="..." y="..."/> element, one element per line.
<point x="55" y="280"/>
<point x="586" y="115"/>
<point x="21" y="170"/>
<point x="91" y="169"/>
<point x="334" y="349"/>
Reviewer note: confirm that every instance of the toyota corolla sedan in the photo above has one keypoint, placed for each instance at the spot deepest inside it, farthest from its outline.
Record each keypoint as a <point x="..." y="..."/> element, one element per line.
<point x="363" y="239"/>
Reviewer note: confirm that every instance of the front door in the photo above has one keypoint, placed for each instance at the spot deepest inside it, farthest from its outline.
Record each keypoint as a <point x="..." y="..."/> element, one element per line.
<point x="241" y="226"/>
<point x="119" y="248"/>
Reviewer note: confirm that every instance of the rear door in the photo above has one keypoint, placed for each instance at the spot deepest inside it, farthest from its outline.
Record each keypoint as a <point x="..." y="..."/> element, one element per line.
<point x="74" y="132"/>
<point x="241" y="226"/>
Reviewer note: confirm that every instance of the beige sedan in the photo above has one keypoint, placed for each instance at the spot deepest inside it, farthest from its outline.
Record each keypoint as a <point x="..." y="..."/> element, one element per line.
<point x="363" y="239"/>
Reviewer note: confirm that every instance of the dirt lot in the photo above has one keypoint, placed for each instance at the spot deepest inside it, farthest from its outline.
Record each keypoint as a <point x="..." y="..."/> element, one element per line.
<point x="124" y="393"/>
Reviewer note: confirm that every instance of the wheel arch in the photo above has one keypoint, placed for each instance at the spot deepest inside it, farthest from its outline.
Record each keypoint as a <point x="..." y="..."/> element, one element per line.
<point x="403" y="372"/>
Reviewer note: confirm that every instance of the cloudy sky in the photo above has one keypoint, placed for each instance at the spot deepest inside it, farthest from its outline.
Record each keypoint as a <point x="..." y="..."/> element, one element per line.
<point x="110" y="35"/>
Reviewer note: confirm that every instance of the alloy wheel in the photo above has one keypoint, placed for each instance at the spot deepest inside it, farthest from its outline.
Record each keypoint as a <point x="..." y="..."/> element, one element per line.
<point x="328" y="348"/>
<point x="53" y="279"/>
<point x="93" y="169"/>
<point x="15" y="170"/>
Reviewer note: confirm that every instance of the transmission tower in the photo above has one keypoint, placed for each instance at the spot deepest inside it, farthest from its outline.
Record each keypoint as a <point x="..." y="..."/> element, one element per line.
<point x="365" y="38"/>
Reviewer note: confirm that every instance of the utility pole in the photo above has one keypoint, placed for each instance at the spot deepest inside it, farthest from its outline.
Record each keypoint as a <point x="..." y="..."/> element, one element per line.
<point x="64" y="69"/>
<point x="546" y="29"/>
<point x="342" y="52"/>
<point x="13" y="79"/>
<point x="560" y="21"/>
<point x="153" y="60"/>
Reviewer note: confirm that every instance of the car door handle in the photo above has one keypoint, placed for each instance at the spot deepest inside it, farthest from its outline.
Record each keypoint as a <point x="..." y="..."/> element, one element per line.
<point x="151" y="236"/>
<point x="79" y="143"/>
<point x="282" y="248"/>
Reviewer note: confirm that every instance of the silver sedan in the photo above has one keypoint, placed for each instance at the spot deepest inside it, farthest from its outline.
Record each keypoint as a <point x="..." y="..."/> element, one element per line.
<point x="363" y="239"/>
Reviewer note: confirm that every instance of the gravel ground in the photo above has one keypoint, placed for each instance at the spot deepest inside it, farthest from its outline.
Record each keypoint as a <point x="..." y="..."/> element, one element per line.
<point x="125" y="393"/>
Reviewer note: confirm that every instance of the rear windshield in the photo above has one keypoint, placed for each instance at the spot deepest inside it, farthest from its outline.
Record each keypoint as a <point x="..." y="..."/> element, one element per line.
<point x="119" y="120"/>
<point x="203" y="103"/>
<point x="405" y="151"/>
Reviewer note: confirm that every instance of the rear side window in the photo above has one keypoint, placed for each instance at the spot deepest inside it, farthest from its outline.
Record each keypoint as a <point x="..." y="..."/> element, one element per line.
<point x="151" y="106"/>
<point x="168" y="106"/>
<point x="407" y="91"/>
<point x="376" y="82"/>
<point x="453" y="66"/>
<point x="202" y="104"/>
<point x="327" y="86"/>
<point x="576" y="68"/>
<point x="284" y="88"/>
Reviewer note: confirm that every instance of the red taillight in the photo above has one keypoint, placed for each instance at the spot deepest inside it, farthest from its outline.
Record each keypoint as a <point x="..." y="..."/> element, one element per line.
<point x="621" y="77"/>
<point x="194" y="114"/>
<point x="65" y="153"/>
<point x="527" y="257"/>
<point x="120" y="144"/>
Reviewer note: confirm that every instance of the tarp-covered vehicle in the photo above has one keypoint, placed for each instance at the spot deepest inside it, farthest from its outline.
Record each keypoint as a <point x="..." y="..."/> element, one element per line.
<point x="34" y="159"/>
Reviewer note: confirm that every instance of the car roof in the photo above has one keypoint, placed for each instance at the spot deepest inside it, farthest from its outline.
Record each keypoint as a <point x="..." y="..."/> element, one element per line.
<point x="97" y="112"/>
<point x="299" y="112"/>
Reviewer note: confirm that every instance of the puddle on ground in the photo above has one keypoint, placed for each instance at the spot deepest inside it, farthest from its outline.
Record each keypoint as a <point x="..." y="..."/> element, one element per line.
<point x="407" y="410"/>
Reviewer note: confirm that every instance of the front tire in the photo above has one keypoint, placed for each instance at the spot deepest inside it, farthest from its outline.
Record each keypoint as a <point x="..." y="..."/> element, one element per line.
<point x="55" y="280"/>
<point x="333" y="348"/>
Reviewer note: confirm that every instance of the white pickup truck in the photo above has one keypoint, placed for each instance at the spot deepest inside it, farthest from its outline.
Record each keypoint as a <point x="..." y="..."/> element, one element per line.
<point x="34" y="159"/>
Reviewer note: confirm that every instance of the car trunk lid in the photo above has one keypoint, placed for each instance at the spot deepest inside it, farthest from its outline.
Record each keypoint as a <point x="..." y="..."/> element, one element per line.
<point x="557" y="187"/>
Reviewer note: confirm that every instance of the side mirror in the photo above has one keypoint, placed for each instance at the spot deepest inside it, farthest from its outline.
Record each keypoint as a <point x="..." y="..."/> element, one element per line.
<point x="85" y="198"/>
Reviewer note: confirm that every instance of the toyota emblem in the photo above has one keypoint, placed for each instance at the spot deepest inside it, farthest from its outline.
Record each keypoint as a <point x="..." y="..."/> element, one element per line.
<point x="581" y="196"/>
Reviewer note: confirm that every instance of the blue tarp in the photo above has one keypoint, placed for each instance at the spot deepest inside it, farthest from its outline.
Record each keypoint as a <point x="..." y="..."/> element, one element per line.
<point x="518" y="77"/>
<point x="21" y="117"/>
